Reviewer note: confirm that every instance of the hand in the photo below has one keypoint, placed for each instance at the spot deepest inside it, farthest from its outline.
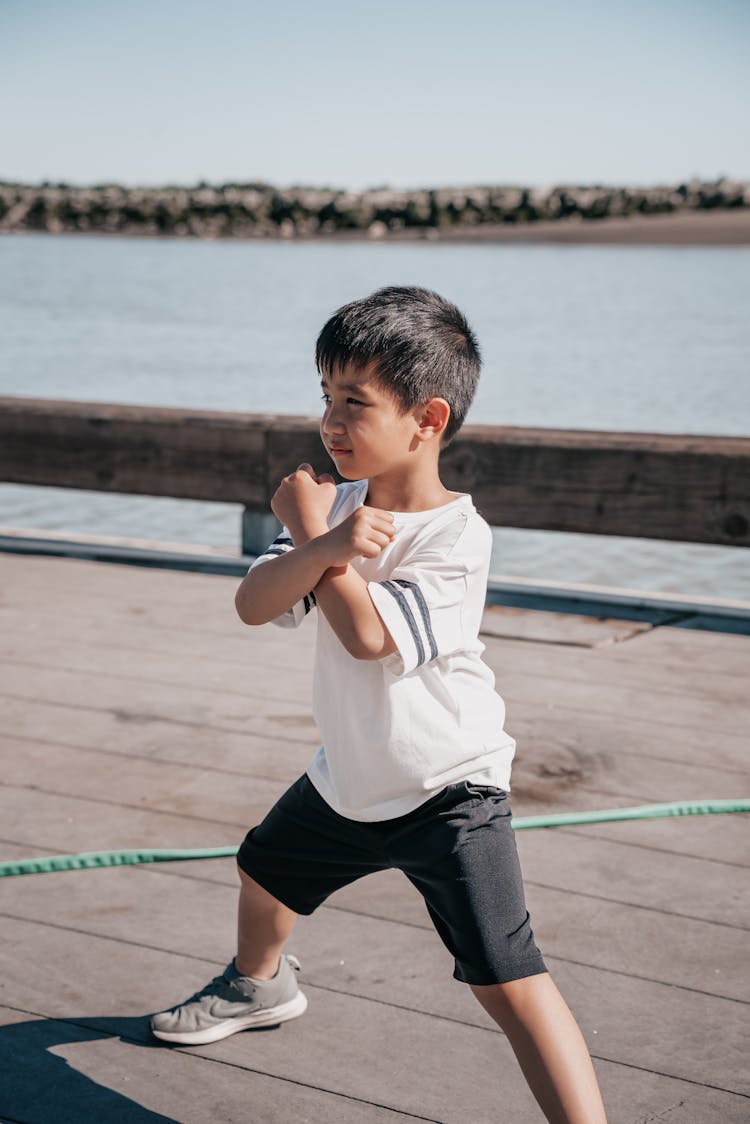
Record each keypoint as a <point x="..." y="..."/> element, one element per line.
<point x="302" y="502"/>
<point x="363" y="534"/>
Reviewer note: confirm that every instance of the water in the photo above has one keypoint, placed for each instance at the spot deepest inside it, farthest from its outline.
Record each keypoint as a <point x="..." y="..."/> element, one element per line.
<point x="585" y="337"/>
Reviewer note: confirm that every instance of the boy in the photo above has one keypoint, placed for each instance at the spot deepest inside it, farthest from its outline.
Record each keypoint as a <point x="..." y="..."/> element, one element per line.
<point x="414" y="767"/>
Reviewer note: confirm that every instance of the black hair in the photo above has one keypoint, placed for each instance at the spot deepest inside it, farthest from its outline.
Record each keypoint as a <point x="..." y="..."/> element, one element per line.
<point x="419" y="343"/>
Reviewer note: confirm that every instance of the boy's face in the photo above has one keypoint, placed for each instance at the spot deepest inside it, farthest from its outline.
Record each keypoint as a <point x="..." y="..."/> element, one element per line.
<point x="363" y="428"/>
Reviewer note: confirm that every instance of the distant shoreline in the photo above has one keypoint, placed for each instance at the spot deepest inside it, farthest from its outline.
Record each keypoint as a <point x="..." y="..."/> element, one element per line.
<point x="688" y="214"/>
<point x="696" y="228"/>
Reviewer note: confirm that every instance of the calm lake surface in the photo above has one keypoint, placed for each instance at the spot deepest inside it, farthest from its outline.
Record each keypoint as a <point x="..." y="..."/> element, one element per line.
<point x="590" y="337"/>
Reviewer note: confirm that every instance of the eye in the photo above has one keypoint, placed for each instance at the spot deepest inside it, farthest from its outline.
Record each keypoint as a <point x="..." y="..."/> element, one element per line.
<point x="325" y="398"/>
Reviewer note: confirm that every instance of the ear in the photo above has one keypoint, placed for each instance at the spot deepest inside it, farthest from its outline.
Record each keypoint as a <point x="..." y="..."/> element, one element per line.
<point x="432" y="418"/>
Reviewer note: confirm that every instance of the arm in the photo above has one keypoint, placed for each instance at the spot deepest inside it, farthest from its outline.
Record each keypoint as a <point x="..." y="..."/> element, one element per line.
<point x="343" y="596"/>
<point x="302" y="503"/>
<point x="269" y="590"/>
<point x="272" y="588"/>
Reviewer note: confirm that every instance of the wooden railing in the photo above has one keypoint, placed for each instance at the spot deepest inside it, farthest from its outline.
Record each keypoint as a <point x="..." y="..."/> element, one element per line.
<point x="646" y="485"/>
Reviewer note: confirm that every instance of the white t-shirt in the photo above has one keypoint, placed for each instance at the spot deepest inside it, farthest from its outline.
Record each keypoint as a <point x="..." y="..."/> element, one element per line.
<point x="397" y="730"/>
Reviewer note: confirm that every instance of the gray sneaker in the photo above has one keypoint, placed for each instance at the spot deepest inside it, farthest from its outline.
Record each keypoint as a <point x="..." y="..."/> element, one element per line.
<point x="232" y="1002"/>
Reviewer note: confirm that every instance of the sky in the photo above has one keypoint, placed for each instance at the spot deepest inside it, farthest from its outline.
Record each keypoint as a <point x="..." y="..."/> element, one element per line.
<point x="404" y="93"/>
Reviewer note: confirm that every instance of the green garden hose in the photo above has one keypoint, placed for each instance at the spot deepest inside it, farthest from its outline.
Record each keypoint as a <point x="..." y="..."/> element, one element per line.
<point x="92" y="859"/>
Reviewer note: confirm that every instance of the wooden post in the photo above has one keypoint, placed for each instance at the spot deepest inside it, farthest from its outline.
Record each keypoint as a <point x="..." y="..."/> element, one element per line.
<point x="259" y="529"/>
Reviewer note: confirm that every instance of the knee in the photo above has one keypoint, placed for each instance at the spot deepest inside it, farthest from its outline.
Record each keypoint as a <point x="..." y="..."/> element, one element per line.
<point x="252" y="890"/>
<point x="255" y="897"/>
<point x="509" y="1000"/>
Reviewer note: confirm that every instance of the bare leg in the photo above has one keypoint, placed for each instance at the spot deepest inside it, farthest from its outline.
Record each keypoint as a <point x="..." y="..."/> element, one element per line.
<point x="263" y="925"/>
<point x="549" y="1046"/>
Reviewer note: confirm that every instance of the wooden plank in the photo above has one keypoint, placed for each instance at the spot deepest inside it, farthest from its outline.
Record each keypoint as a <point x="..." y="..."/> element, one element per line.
<point x="619" y="700"/>
<point x="619" y="703"/>
<point x="249" y="660"/>
<point x="282" y="761"/>
<point x="235" y="652"/>
<point x="330" y="1048"/>
<point x="597" y="885"/>
<point x="549" y="766"/>
<point x="56" y="1068"/>
<point x="130" y="739"/>
<point x="645" y="484"/>
<point x="572" y="629"/>
<point x="137" y="736"/>
<point x="175" y="610"/>
<point x="567" y="739"/>
<point x="197" y="790"/>
<point x="609" y="870"/>
<point x="707" y="670"/>
<point x="55" y="1063"/>
<point x="614" y="907"/>
<point x="572" y="927"/>
<point x="349" y="960"/>
<point x="196" y="666"/>
<point x="163" y="620"/>
<point x="65" y="824"/>
<point x="682" y="665"/>
<point x="74" y="577"/>
<point x="555" y="760"/>
<point x="208" y="706"/>
<point x="112" y="650"/>
<point x="576" y="731"/>
<point x="561" y="763"/>
<point x="543" y="778"/>
<point x="653" y="485"/>
<point x="121" y="594"/>
<point x="669" y="643"/>
<point x="173" y="789"/>
<point x="188" y="602"/>
<point x="158" y="451"/>
<point x="278" y="744"/>
<point x="724" y="838"/>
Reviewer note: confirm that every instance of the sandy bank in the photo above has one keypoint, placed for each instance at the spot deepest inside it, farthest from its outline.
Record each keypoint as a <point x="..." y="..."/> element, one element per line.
<point x="698" y="228"/>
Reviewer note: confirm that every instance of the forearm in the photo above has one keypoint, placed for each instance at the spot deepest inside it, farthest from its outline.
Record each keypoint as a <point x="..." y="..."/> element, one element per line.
<point x="343" y="597"/>
<point x="341" y="593"/>
<point x="271" y="588"/>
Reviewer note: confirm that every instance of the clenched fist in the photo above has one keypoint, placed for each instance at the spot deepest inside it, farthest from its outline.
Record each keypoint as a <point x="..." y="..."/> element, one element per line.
<point x="302" y="502"/>
<point x="363" y="534"/>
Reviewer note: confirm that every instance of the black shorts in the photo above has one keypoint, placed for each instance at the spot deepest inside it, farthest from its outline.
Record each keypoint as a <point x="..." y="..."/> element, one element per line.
<point x="458" y="849"/>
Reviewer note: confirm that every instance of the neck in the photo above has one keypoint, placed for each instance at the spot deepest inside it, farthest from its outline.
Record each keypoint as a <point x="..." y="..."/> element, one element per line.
<point x="407" y="494"/>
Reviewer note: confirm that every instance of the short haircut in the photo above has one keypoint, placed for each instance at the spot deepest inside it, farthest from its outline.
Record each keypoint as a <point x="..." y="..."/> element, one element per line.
<point x="420" y="345"/>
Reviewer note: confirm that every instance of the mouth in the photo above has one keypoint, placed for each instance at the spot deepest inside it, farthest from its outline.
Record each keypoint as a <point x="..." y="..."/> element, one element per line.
<point x="335" y="451"/>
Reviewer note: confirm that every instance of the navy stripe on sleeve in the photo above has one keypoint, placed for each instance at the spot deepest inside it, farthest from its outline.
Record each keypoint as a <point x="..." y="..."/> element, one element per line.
<point x="424" y="611"/>
<point x="310" y="601"/>
<point x="282" y="544"/>
<point x="408" y="616"/>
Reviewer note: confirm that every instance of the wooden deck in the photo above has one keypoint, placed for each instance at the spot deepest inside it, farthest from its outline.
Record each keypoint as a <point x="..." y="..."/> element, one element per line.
<point x="138" y="711"/>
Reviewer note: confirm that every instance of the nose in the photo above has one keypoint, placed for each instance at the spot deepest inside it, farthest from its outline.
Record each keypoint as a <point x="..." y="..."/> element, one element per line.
<point x="331" y="424"/>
